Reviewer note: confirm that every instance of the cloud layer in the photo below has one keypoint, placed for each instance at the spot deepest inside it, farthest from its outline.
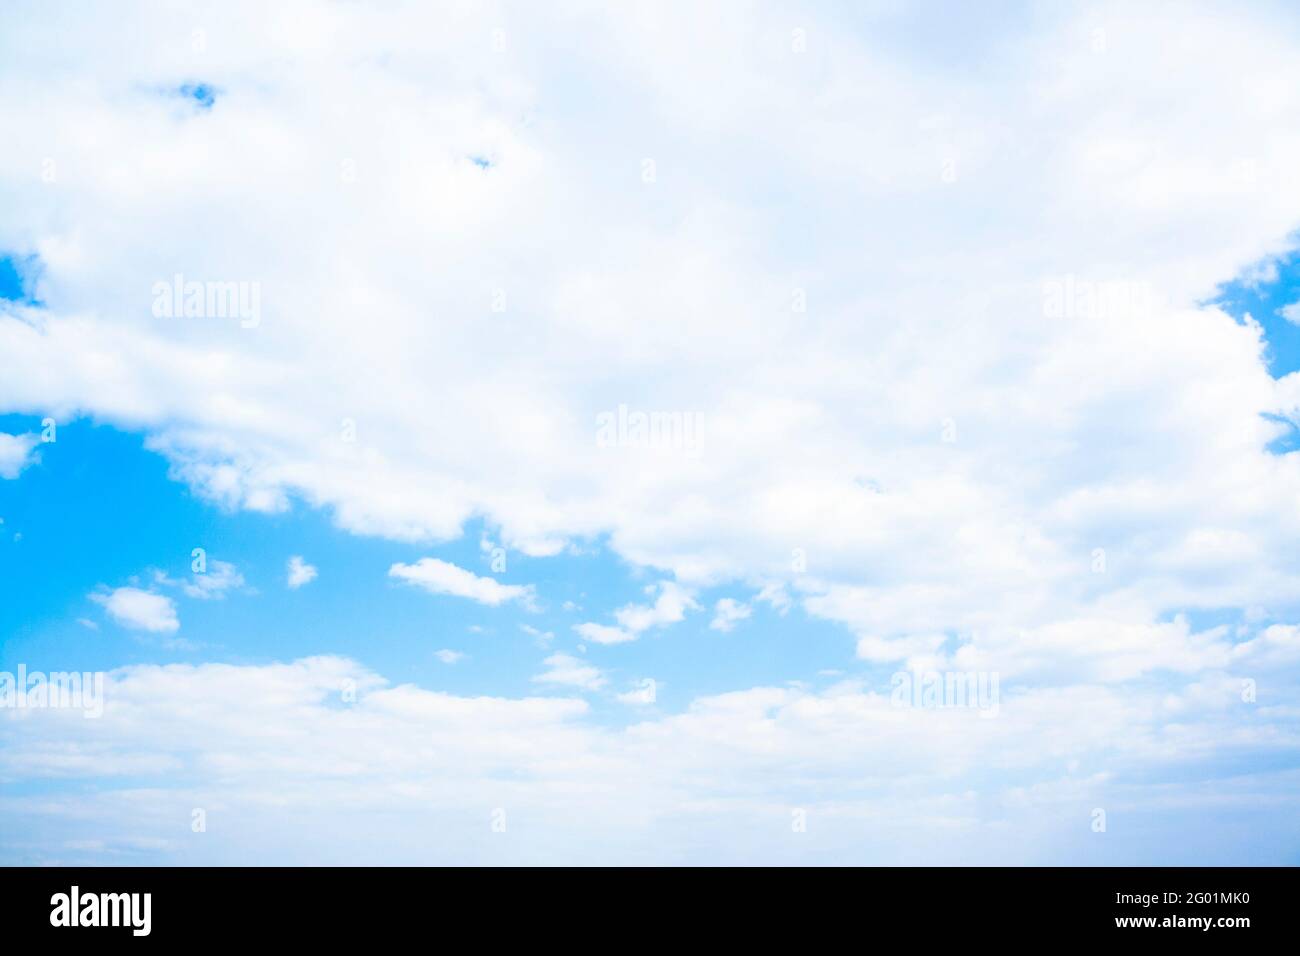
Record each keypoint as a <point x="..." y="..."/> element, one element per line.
<point x="375" y="765"/>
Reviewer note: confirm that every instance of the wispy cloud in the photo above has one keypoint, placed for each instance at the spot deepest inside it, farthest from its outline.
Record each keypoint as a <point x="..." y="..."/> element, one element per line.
<point x="670" y="606"/>
<point x="443" y="577"/>
<point x="219" y="578"/>
<point x="727" y="613"/>
<point x="16" y="453"/>
<point x="570" y="671"/>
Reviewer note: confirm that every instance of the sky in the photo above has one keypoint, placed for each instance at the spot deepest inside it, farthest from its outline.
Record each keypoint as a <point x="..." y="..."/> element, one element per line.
<point x="615" y="434"/>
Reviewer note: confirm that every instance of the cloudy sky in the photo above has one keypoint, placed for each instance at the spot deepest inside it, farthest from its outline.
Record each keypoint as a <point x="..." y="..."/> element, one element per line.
<point x="518" y="433"/>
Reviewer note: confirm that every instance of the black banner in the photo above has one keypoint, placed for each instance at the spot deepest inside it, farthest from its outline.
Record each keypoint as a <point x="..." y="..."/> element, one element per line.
<point x="1162" y="906"/>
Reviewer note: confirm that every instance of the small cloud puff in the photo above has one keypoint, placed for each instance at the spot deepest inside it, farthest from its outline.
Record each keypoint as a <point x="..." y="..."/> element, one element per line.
<point x="727" y="613"/>
<point x="139" y="610"/>
<point x="16" y="453"/>
<point x="299" y="572"/>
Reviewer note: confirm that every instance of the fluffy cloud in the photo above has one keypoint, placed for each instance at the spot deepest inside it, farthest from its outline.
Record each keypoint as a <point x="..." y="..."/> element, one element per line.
<point x="670" y="606"/>
<point x="299" y="572"/>
<point x="443" y="577"/>
<point x="15" y="453"/>
<point x="449" y="656"/>
<point x="727" y="613"/>
<point x="139" y="610"/>
<point x="569" y="671"/>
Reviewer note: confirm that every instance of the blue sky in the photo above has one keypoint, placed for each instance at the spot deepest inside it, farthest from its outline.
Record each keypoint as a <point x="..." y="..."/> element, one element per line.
<point x="650" y="401"/>
<point x="1263" y="299"/>
<point x="100" y="509"/>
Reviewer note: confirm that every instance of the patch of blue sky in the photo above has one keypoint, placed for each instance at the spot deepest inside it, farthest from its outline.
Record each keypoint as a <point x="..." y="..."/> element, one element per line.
<point x="99" y="509"/>
<point x="18" y="275"/>
<point x="1270" y="294"/>
<point x="1288" y="441"/>
<point x="1267" y="294"/>
<point x="203" y="94"/>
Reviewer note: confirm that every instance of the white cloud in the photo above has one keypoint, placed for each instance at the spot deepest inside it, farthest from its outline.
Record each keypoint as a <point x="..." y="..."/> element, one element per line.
<point x="542" y="637"/>
<point x="777" y="596"/>
<point x="634" y="619"/>
<point x="660" y="789"/>
<point x="449" y="656"/>
<point x="643" y="696"/>
<point x="220" y="577"/>
<point x="1291" y="313"/>
<point x="16" y="453"/>
<point x="669" y="607"/>
<point x="299" y="572"/>
<point x="570" y="671"/>
<point x="604" y="633"/>
<point x="139" y="610"/>
<point x="443" y="577"/>
<point x="1260" y="274"/>
<point x="727" y="613"/>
